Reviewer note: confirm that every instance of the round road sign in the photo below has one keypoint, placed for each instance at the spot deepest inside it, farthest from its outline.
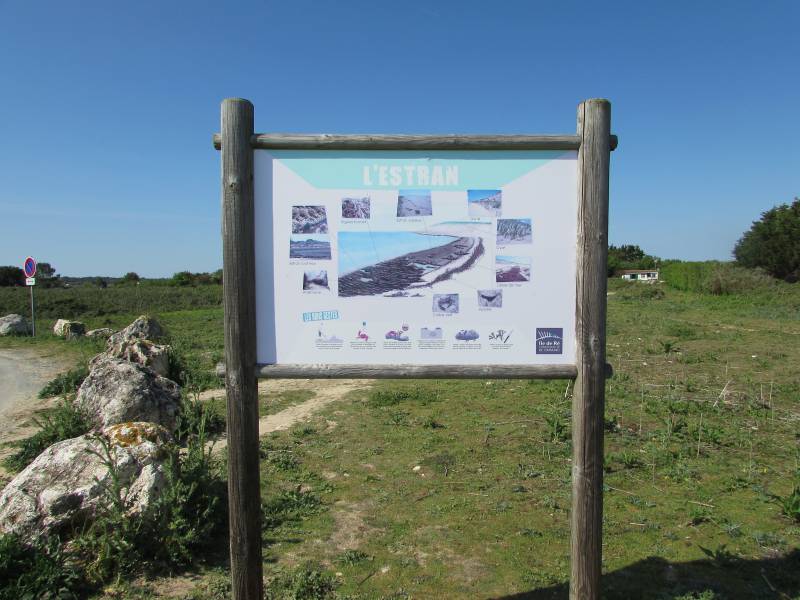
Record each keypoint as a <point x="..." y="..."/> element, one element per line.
<point x="30" y="267"/>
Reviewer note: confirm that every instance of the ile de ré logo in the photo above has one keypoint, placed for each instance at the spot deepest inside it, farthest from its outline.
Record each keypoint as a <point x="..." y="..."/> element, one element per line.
<point x="549" y="340"/>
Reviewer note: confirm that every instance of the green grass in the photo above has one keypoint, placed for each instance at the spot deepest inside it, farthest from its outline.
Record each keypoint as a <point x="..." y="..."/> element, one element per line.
<point x="461" y="489"/>
<point x="698" y="475"/>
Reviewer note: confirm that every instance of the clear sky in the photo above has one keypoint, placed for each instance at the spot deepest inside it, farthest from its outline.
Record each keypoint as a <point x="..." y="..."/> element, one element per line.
<point x="108" y="108"/>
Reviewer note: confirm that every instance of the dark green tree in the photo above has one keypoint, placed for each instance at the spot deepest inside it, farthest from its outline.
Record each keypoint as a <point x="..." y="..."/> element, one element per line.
<point x="130" y="277"/>
<point x="46" y="275"/>
<point x="10" y="276"/>
<point x="773" y="242"/>
<point x="628" y="256"/>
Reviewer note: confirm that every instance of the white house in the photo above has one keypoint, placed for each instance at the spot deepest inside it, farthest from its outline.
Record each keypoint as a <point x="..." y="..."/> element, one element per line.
<point x="639" y="274"/>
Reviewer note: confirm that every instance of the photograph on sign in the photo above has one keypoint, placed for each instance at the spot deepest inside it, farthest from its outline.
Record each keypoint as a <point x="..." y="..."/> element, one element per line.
<point x="412" y="257"/>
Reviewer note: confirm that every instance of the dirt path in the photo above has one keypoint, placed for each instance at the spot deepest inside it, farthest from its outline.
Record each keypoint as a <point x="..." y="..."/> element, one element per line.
<point x="326" y="390"/>
<point x="23" y="372"/>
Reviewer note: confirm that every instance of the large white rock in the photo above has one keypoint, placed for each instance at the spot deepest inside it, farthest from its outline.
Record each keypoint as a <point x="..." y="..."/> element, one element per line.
<point x="67" y="482"/>
<point x="101" y="333"/>
<point x="143" y="328"/>
<point x="139" y="351"/>
<point x="117" y="391"/>
<point x="69" y="329"/>
<point x="14" y="325"/>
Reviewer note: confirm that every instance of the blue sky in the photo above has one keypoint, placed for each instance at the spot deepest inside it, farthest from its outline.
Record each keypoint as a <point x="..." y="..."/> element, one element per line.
<point x="108" y="108"/>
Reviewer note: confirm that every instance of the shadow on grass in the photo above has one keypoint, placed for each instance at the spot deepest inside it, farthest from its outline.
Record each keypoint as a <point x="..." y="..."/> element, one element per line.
<point x="724" y="576"/>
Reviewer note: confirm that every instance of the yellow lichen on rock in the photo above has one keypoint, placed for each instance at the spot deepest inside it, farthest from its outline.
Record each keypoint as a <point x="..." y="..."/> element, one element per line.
<point x="134" y="433"/>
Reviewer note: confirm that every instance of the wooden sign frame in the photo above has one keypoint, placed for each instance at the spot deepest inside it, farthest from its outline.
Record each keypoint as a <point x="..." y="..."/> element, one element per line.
<point x="237" y="141"/>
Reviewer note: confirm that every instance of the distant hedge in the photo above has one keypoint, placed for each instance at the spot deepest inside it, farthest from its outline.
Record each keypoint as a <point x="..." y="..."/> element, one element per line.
<point x="713" y="277"/>
<point x="92" y="301"/>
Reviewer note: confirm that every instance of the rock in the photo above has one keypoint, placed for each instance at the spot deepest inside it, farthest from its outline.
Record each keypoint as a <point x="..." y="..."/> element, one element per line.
<point x="101" y="333"/>
<point x="117" y="391"/>
<point x="69" y="329"/>
<point x="14" y="325"/>
<point x="143" y="328"/>
<point x="135" y="350"/>
<point x="65" y="484"/>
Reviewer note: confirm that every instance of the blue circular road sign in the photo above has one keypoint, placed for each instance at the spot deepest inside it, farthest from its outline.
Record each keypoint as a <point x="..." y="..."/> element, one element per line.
<point x="30" y="267"/>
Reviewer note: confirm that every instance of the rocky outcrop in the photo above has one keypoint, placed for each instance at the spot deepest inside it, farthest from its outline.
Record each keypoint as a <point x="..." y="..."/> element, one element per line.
<point x="14" y="325"/>
<point x="117" y="391"/>
<point x="103" y="333"/>
<point x="513" y="231"/>
<point x="66" y="484"/>
<point x="139" y="351"/>
<point x="309" y="219"/>
<point x="69" y="329"/>
<point x="143" y="328"/>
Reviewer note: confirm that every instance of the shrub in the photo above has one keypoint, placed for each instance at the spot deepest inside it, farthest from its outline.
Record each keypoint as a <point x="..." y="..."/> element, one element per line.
<point x="714" y="277"/>
<point x="37" y="569"/>
<point x="63" y="422"/>
<point x="187" y="517"/>
<point x="66" y="383"/>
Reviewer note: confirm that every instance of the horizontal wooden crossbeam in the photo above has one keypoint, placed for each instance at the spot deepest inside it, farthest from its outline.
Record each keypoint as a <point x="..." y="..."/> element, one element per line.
<point x="415" y="371"/>
<point x="379" y="141"/>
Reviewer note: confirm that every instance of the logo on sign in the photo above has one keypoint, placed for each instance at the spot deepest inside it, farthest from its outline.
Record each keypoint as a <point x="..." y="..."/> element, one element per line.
<point x="549" y="340"/>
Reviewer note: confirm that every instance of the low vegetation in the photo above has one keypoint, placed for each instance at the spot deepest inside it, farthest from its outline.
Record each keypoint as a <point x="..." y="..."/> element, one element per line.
<point x="461" y="489"/>
<point x="62" y="422"/>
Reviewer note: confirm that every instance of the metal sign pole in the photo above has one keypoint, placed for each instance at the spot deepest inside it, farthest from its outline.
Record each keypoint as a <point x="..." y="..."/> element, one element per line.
<point x="33" y="314"/>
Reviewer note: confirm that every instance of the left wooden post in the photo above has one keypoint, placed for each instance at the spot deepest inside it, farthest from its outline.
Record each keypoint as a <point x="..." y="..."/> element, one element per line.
<point x="238" y="242"/>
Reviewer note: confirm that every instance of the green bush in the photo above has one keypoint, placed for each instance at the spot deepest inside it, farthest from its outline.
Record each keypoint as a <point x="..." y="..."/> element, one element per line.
<point x="37" y="569"/>
<point x="187" y="518"/>
<point x="63" y="422"/>
<point x="714" y="277"/>
<point x="66" y="383"/>
<point x="87" y="301"/>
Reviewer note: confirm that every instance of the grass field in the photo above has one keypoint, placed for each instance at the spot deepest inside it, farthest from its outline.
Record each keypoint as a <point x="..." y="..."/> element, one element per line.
<point x="445" y="489"/>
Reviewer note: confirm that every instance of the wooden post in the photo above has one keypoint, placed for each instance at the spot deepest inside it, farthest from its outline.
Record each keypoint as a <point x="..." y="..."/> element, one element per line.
<point x="244" y="493"/>
<point x="594" y="121"/>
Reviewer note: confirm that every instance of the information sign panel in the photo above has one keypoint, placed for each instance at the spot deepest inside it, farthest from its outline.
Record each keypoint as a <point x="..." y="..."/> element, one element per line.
<point x="415" y="257"/>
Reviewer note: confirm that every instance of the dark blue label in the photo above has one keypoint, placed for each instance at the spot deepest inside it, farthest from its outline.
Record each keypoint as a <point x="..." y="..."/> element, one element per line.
<point x="549" y="340"/>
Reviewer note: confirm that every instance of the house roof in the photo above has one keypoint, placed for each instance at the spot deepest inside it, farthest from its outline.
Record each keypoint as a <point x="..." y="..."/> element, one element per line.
<point x="631" y="271"/>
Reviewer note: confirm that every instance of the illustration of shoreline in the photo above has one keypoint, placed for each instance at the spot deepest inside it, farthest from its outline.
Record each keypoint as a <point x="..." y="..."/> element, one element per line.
<point x="422" y="268"/>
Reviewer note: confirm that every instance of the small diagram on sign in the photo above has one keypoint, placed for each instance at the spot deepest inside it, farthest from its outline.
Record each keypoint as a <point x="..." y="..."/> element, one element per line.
<point x="310" y="246"/>
<point x="355" y="208"/>
<point x="309" y="219"/>
<point x="315" y="280"/>
<point x="467" y="335"/>
<point x="484" y="203"/>
<point x="431" y="333"/>
<point x="414" y="203"/>
<point x="511" y="269"/>
<point x="490" y="298"/>
<point x="399" y="335"/>
<point x="330" y="338"/>
<point x="514" y="231"/>
<point x="445" y="304"/>
<point x="362" y="332"/>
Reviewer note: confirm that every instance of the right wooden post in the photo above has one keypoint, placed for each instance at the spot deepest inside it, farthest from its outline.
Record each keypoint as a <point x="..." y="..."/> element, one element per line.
<point x="588" y="401"/>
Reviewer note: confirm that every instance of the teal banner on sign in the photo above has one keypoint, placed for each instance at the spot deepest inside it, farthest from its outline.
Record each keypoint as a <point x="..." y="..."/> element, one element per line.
<point x="439" y="170"/>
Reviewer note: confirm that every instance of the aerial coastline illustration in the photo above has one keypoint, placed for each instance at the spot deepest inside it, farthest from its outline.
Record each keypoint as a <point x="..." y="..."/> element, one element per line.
<point x="395" y="263"/>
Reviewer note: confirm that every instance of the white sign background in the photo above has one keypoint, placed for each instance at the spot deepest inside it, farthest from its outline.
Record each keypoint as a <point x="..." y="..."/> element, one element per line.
<point x="318" y="326"/>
